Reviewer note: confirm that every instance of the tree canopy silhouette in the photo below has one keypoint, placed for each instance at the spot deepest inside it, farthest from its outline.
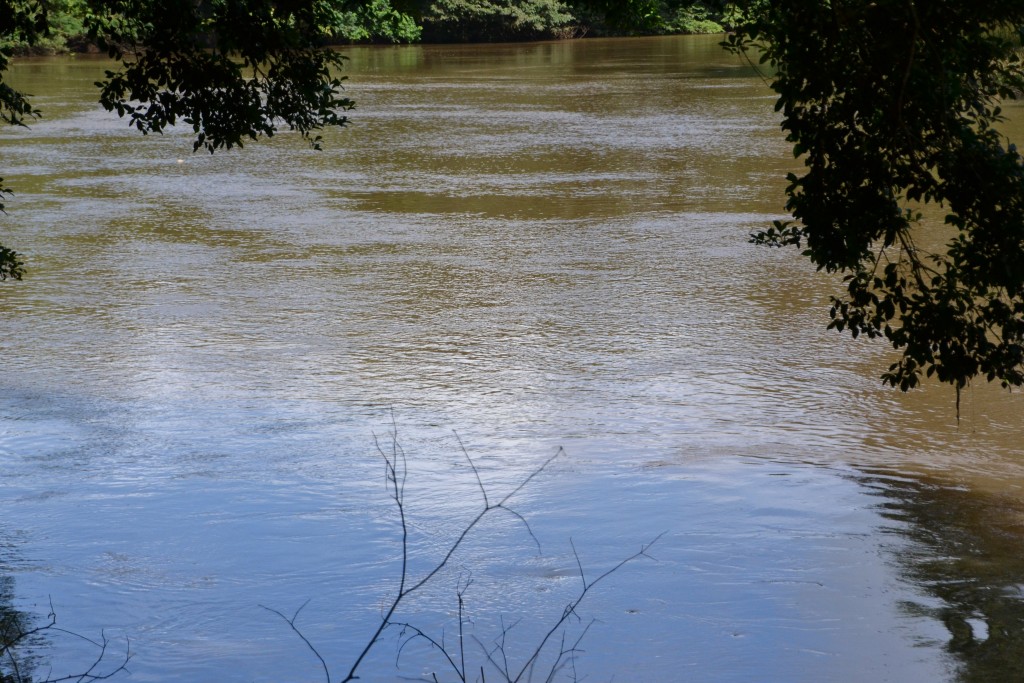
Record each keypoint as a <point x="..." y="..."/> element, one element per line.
<point x="894" y="106"/>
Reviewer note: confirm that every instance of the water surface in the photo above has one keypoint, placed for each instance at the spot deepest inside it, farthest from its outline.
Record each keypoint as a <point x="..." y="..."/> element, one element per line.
<point x="537" y="246"/>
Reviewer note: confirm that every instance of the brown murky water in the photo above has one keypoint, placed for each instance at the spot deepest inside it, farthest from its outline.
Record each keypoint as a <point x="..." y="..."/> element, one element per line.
<point x="537" y="246"/>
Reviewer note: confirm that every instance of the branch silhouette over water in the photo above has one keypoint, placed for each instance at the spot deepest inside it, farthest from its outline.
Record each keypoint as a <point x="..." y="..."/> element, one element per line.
<point x="16" y="666"/>
<point x="552" y="652"/>
<point x="543" y="659"/>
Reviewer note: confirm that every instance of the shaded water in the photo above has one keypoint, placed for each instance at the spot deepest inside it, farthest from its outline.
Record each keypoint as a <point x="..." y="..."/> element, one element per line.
<point x="538" y="246"/>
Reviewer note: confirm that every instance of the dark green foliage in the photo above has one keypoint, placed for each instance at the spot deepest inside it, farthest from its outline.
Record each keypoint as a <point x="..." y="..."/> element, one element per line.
<point x="607" y="18"/>
<point x="893" y="107"/>
<point x="62" y="25"/>
<point x="497" y="20"/>
<point x="690" y="18"/>
<point x="25" y="22"/>
<point x="648" y="17"/>
<point x="230" y="70"/>
<point x="14" y="109"/>
<point x="11" y="265"/>
<point x="375" y="21"/>
<point x="19" y="22"/>
<point x="624" y="16"/>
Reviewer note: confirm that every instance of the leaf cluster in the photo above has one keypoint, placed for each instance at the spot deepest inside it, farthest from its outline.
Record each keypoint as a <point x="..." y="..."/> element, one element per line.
<point x="689" y="19"/>
<point x="232" y="70"/>
<point x="55" y="25"/>
<point x="894" y="106"/>
<point x="496" y="20"/>
<point x="24" y="21"/>
<point x="374" y="21"/>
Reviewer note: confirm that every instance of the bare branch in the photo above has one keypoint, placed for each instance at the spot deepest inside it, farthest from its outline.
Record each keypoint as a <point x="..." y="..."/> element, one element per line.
<point x="496" y="656"/>
<point x="396" y="481"/>
<point x="480" y="483"/>
<point x="439" y="646"/>
<point x="526" y="524"/>
<point x="535" y="473"/>
<point x="300" y="634"/>
<point x="570" y="609"/>
<point x="11" y="641"/>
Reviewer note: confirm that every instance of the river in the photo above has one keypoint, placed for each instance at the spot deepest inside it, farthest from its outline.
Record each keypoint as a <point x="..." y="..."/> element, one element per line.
<point x="513" y="249"/>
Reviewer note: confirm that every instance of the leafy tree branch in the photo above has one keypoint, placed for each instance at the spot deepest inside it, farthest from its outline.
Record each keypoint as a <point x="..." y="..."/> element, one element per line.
<point x="233" y="71"/>
<point x="893" y="106"/>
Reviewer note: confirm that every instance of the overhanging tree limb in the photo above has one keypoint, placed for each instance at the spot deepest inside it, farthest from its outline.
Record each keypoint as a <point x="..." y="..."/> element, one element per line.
<point x="233" y="71"/>
<point x="894" y="105"/>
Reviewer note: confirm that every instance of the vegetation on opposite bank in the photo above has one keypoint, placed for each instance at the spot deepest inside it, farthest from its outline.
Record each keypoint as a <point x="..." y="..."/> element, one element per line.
<point x="442" y="21"/>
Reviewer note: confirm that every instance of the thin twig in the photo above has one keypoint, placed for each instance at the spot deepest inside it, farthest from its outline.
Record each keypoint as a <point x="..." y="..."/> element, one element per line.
<point x="12" y="641"/>
<point x="570" y="609"/>
<point x="395" y="475"/>
<point x="476" y="520"/>
<point x="460" y="592"/>
<point x="397" y="483"/>
<point x="420" y="633"/>
<point x="300" y="634"/>
<point x="480" y="483"/>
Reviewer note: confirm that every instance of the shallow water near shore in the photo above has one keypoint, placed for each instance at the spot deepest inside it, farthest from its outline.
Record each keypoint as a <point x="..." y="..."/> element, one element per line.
<point x="536" y="246"/>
